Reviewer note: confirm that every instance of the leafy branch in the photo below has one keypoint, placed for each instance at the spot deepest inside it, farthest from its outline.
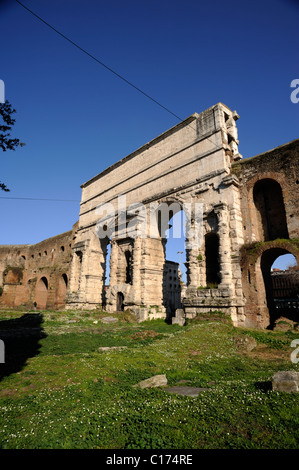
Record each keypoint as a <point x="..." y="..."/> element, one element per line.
<point x="6" y="142"/>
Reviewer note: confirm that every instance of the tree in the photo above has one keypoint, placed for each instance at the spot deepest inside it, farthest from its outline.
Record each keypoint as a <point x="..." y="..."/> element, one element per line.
<point x="6" y="142"/>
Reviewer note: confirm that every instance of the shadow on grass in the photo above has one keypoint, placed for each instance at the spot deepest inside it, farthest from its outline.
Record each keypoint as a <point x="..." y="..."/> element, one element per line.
<point x="21" y="340"/>
<point x="264" y="386"/>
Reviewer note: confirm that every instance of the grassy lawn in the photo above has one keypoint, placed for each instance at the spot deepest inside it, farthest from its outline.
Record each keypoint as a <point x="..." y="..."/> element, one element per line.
<point x="58" y="389"/>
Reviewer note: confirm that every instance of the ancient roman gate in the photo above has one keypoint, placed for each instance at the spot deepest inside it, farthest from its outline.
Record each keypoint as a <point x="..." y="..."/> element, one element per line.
<point x="186" y="168"/>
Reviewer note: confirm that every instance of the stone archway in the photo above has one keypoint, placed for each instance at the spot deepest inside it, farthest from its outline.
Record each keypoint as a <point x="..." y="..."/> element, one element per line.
<point x="256" y="262"/>
<point x="119" y="297"/>
<point x="171" y="221"/>
<point x="41" y="293"/>
<point x="267" y="259"/>
<point x="61" y="290"/>
<point x="191" y="164"/>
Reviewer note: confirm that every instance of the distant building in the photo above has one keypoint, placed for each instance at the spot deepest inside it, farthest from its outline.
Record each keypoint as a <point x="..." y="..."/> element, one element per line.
<point x="171" y="287"/>
<point x="285" y="284"/>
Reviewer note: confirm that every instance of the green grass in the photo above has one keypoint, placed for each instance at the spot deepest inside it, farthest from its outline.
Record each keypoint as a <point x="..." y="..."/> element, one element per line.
<point x="65" y="393"/>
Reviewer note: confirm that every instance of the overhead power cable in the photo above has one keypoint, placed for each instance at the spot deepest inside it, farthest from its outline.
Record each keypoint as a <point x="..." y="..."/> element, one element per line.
<point x="105" y="66"/>
<point x="97" y="60"/>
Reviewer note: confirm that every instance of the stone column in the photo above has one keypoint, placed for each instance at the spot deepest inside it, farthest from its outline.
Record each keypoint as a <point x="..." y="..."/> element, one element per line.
<point x="94" y="276"/>
<point x="194" y="249"/>
<point x="87" y="274"/>
<point x="75" y="271"/>
<point x="151" y="272"/>
<point x="137" y="263"/>
<point x="73" y="296"/>
<point x="236" y="233"/>
<point x="224" y="245"/>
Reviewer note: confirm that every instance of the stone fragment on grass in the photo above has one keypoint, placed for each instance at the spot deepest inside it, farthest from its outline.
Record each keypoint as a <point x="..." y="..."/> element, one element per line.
<point x="180" y="317"/>
<point x="246" y="343"/>
<point x="109" y="320"/>
<point x="108" y="348"/>
<point x="286" y="381"/>
<point x="186" y="391"/>
<point x="155" y="381"/>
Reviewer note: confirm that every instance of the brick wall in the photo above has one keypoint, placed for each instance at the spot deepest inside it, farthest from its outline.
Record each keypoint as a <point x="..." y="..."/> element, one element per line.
<point x="36" y="274"/>
<point x="281" y="166"/>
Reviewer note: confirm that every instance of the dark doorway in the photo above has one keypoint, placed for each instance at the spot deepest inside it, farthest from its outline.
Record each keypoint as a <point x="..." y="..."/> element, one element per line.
<point x="120" y="302"/>
<point x="128" y="256"/>
<point x="212" y="260"/>
<point x="268" y="200"/>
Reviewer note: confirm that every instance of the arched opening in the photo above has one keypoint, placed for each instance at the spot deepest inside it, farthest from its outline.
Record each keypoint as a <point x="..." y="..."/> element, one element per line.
<point x="120" y="302"/>
<point x="174" y="270"/>
<point x="212" y="260"/>
<point x="61" y="290"/>
<point x="281" y="284"/>
<point x="42" y="293"/>
<point x="268" y="200"/>
<point x="64" y="277"/>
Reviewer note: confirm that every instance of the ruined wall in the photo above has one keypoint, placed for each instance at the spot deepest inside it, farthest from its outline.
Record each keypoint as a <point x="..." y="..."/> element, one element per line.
<point x="36" y="274"/>
<point x="188" y="164"/>
<point x="280" y="165"/>
<point x="249" y="217"/>
<point x="191" y="150"/>
<point x="270" y="214"/>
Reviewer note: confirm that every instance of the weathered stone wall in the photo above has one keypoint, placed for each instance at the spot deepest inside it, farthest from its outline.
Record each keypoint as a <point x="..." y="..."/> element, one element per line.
<point x="281" y="166"/>
<point x="189" y="164"/>
<point x="249" y="217"/>
<point x="36" y="274"/>
<point x="192" y="150"/>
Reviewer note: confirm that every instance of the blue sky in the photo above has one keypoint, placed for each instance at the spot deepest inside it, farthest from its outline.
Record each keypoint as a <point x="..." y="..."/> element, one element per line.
<point x="77" y="118"/>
